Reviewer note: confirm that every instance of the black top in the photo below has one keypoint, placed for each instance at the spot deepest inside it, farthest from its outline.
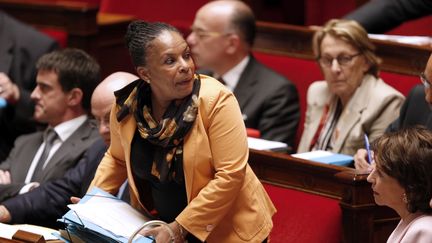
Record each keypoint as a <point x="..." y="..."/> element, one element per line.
<point x="169" y="198"/>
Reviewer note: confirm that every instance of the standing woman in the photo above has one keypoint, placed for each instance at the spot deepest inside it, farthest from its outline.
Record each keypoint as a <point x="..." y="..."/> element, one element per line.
<point x="352" y="100"/>
<point x="402" y="180"/>
<point x="180" y="140"/>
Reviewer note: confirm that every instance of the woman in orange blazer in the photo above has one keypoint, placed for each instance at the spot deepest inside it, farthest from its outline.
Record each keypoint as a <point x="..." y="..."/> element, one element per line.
<point x="180" y="140"/>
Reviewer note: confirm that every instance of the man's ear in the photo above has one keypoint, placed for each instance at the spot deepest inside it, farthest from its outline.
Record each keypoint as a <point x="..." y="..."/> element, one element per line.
<point x="143" y="73"/>
<point x="233" y="43"/>
<point x="75" y="97"/>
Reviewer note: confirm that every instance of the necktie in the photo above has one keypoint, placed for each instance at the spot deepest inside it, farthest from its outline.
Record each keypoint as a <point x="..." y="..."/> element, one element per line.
<point x="49" y="137"/>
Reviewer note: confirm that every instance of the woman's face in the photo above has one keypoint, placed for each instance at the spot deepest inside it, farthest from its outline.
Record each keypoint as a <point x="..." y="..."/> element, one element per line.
<point x="386" y="190"/>
<point x="170" y="68"/>
<point x="343" y="66"/>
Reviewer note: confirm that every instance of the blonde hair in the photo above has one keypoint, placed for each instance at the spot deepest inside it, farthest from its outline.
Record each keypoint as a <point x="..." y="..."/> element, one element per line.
<point x="352" y="33"/>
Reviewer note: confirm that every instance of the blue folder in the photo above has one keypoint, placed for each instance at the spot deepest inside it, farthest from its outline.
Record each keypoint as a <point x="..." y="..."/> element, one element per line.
<point x="89" y="232"/>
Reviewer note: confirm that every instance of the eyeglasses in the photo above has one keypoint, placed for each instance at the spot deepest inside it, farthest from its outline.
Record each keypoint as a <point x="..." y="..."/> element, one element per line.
<point x="425" y="81"/>
<point x="201" y="34"/>
<point x="342" y="60"/>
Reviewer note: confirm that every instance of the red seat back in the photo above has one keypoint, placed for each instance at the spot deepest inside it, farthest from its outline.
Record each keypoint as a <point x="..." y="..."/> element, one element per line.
<point x="304" y="217"/>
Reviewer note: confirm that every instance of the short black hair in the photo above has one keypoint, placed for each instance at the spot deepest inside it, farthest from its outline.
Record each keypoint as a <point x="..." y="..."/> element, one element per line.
<point x="75" y="69"/>
<point x="140" y="34"/>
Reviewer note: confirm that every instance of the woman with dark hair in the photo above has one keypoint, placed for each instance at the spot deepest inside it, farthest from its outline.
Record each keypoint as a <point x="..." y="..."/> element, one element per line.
<point x="180" y="140"/>
<point x="402" y="180"/>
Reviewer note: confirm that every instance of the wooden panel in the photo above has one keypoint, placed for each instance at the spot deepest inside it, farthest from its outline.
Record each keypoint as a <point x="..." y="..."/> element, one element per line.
<point x="362" y="219"/>
<point x="296" y="41"/>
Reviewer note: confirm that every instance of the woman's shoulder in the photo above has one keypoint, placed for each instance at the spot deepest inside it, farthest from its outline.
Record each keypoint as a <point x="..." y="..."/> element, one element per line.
<point x="422" y="220"/>
<point x="318" y="91"/>
<point x="381" y="88"/>
<point x="211" y="88"/>
<point x="420" y="229"/>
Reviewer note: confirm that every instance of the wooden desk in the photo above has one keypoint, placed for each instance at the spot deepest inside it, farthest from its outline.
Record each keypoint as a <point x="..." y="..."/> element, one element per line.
<point x="296" y="41"/>
<point x="362" y="219"/>
<point x="101" y="35"/>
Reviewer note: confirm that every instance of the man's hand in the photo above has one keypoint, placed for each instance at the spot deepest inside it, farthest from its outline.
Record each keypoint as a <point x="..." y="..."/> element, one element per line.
<point x="75" y="200"/>
<point x="8" y="90"/>
<point x="5" y="216"/>
<point x="360" y="161"/>
<point x="5" y="177"/>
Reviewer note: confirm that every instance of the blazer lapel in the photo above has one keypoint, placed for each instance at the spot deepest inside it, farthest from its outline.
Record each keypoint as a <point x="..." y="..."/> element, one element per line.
<point x="27" y="157"/>
<point x="245" y="87"/>
<point x="352" y="113"/>
<point x="71" y="148"/>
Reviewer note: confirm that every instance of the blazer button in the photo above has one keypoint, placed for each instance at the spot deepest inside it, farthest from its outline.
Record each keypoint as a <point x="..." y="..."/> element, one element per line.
<point x="209" y="228"/>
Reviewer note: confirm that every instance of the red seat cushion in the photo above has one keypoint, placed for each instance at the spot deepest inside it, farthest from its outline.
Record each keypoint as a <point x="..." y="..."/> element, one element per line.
<point x="304" y="217"/>
<point x="58" y="35"/>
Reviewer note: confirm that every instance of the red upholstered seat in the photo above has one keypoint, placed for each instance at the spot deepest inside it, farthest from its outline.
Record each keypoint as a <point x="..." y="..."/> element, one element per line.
<point x="304" y="217"/>
<point x="253" y="133"/>
<point x="58" y="35"/>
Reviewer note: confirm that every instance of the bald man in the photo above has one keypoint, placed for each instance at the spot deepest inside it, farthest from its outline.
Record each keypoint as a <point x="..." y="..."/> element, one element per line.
<point x="45" y="204"/>
<point x="221" y="42"/>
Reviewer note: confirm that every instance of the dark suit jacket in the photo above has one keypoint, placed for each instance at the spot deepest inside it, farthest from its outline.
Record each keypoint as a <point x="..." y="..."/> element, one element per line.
<point x="268" y="101"/>
<point x="380" y="16"/>
<point x="20" y="48"/>
<point x="26" y="146"/>
<point x="415" y="111"/>
<point x="47" y="203"/>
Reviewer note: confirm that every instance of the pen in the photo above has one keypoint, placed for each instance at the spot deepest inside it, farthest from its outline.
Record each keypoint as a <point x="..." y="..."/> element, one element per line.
<point x="368" y="148"/>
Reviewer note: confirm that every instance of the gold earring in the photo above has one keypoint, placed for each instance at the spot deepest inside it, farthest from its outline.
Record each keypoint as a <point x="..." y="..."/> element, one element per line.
<point x="404" y="198"/>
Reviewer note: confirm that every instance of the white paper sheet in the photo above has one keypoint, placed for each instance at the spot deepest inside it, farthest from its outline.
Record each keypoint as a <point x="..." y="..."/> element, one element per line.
<point x="122" y="219"/>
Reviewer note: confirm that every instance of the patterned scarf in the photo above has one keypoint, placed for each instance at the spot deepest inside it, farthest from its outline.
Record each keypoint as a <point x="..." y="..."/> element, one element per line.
<point x="167" y="136"/>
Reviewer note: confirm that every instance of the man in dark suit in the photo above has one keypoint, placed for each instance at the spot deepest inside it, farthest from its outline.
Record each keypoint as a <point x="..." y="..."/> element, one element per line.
<point x="415" y="111"/>
<point x="380" y="16"/>
<point x="221" y="42"/>
<point x="20" y="47"/>
<point x="65" y="82"/>
<point x="45" y="204"/>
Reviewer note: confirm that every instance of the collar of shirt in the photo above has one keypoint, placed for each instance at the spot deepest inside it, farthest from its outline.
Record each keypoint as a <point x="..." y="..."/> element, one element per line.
<point x="232" y="77"/>
<point x="64" y="130"/>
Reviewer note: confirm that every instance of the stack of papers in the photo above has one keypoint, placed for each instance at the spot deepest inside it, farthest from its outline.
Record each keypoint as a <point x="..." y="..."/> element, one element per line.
<point x="101" y="217"/>
<point x="326" y="157"/>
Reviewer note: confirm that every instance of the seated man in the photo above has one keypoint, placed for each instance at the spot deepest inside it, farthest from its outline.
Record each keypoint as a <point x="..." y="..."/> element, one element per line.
<point x="45" y="204"/>
<point x="415" y="111"/>
<point x="65" y="82"/>
<point x="20" y="47"/>
<point x="221" y="42"/>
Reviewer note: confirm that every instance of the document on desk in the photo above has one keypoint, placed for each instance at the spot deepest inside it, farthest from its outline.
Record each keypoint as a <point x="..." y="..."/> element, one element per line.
<point x="262" y="144"/>
<point x="326" y="157"/>
<point x="103" y="215"/>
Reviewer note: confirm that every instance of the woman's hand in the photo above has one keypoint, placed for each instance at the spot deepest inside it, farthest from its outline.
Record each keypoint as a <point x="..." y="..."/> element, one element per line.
<point x="5" y="177"/>
<point x="360" y="161"/>
<point x="161" y="234"/>
<point x="5" y="216"/>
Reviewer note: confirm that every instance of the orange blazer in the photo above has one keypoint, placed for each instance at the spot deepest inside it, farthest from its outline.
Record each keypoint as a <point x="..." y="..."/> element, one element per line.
<point x="226" y="201"/>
